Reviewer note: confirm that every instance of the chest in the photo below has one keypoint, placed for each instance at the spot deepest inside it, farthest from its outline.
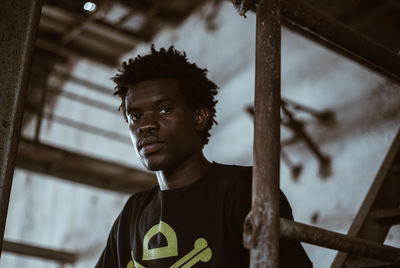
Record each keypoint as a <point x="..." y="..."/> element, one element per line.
<point x="172" y="230"/>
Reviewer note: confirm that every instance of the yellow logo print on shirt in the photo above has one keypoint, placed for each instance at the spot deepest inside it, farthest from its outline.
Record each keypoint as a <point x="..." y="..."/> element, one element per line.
<point x="201" y="251"/>
<point x="170" y="250"/>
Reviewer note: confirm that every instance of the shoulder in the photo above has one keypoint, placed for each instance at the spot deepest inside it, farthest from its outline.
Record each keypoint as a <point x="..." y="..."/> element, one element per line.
<point x="229" y="174"/>
<point x="239" y="178"/>
<point x="230" y="168"/>
<point x="233" y="182"/>
<point x="140" y="196"/>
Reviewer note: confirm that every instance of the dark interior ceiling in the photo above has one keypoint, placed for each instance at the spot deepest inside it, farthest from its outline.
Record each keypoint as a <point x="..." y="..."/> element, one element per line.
<point x="117" y="26"/>
<point x="111" y="30"/>
<point x="377" y="20"/>
<point x="67" y="31"/>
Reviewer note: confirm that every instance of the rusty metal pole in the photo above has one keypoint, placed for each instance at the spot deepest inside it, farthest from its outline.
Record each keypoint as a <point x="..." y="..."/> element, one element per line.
<point x="328" y="239"/>
<point x="18" y="26"/>
<point x="261" y="229"/>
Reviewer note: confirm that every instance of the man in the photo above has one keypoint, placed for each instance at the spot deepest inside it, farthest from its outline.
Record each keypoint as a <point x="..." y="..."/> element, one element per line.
<point x="194" y="217"/>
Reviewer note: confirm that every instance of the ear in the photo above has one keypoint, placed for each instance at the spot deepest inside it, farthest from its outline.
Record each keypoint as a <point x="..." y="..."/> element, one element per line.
<point x="201" y="117"/>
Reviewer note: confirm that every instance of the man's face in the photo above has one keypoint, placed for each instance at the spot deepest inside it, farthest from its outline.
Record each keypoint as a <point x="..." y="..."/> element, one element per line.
<point x="163" y="129"/>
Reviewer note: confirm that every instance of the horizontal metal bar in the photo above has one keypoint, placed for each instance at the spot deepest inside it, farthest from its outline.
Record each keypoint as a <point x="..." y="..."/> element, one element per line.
<point x="39" y="252"/>
<point x="328" y="239"/>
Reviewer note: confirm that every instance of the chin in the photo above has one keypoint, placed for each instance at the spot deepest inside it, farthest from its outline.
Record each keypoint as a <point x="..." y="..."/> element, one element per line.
<point x="152" y="167"/>
<point x="154" y="164"/>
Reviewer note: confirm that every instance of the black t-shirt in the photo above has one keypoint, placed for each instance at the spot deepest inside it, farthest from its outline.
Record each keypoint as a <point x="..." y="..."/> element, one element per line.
<point x="199" y="225"/>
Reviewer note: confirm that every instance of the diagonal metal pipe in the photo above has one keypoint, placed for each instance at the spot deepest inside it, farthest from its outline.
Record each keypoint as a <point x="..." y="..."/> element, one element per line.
<point x="335" y="35"/>
<point x="331" y="33"/>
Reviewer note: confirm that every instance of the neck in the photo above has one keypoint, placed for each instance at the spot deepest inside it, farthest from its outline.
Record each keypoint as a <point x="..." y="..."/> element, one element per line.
<point x="183" y="174"/>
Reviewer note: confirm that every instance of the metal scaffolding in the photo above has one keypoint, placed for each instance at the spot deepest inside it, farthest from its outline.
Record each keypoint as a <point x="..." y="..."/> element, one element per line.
<point x="18" y="25"/>
<point x="263" y="225"/>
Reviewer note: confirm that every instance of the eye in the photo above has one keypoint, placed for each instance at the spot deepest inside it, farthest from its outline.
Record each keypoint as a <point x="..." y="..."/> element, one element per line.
<point x="165" y="110"/>
<point x="135" y="116"/>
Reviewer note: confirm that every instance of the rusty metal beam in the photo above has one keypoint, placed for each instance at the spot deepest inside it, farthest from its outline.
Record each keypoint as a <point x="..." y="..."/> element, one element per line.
<point x="328" y="239"/>
<point x="336" y="35"/>
<point x="18" y="26"/>
<point x="261" y="229"/>
<point x="40" y="252"/>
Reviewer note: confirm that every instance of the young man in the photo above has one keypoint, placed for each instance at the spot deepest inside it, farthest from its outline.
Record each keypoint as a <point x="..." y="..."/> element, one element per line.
<point x="194" y="217"/>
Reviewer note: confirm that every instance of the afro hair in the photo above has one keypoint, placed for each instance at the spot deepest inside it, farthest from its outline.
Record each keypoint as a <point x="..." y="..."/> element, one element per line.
<point x="194" y="85"/>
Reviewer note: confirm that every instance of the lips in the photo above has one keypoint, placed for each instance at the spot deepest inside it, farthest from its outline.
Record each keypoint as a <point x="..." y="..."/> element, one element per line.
<point x="149" y="145"/>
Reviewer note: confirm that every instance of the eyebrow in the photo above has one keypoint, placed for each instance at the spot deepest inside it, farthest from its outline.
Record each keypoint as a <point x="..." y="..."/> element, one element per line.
<point x="157" y="102"/>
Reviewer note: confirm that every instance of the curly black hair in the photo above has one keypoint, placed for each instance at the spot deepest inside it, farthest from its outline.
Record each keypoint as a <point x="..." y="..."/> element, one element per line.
<point x="194" y="85"/>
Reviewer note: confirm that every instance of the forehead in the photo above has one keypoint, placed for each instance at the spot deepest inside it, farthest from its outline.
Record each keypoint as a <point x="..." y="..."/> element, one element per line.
<point x="155" y="90"/>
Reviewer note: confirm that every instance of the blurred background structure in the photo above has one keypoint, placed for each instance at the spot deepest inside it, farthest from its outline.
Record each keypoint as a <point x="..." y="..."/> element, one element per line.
<point x="76" y="166"/>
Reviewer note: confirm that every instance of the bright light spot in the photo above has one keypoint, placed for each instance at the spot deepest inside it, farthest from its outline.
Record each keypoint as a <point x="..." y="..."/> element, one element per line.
<point x="89" y="6"/>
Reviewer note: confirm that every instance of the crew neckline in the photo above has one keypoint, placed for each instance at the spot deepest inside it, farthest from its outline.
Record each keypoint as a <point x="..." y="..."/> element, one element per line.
<point x="192" y="185"/>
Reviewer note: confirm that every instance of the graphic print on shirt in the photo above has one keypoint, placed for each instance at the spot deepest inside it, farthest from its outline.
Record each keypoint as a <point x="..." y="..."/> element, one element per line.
<point x="200" y="253"/>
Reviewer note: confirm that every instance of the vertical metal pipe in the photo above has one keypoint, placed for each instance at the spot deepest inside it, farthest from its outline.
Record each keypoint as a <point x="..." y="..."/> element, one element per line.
<point x="18" y="26"/>
<point x="261" y="229"/>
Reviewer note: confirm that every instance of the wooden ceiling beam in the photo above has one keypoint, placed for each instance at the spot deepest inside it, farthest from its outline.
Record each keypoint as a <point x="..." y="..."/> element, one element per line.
<point x="39" y="252"/>
<point x="59" y="163"/>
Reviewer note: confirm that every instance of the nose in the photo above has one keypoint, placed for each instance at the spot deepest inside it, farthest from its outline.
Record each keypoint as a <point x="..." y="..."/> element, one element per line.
<point x="148" y="124"/>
